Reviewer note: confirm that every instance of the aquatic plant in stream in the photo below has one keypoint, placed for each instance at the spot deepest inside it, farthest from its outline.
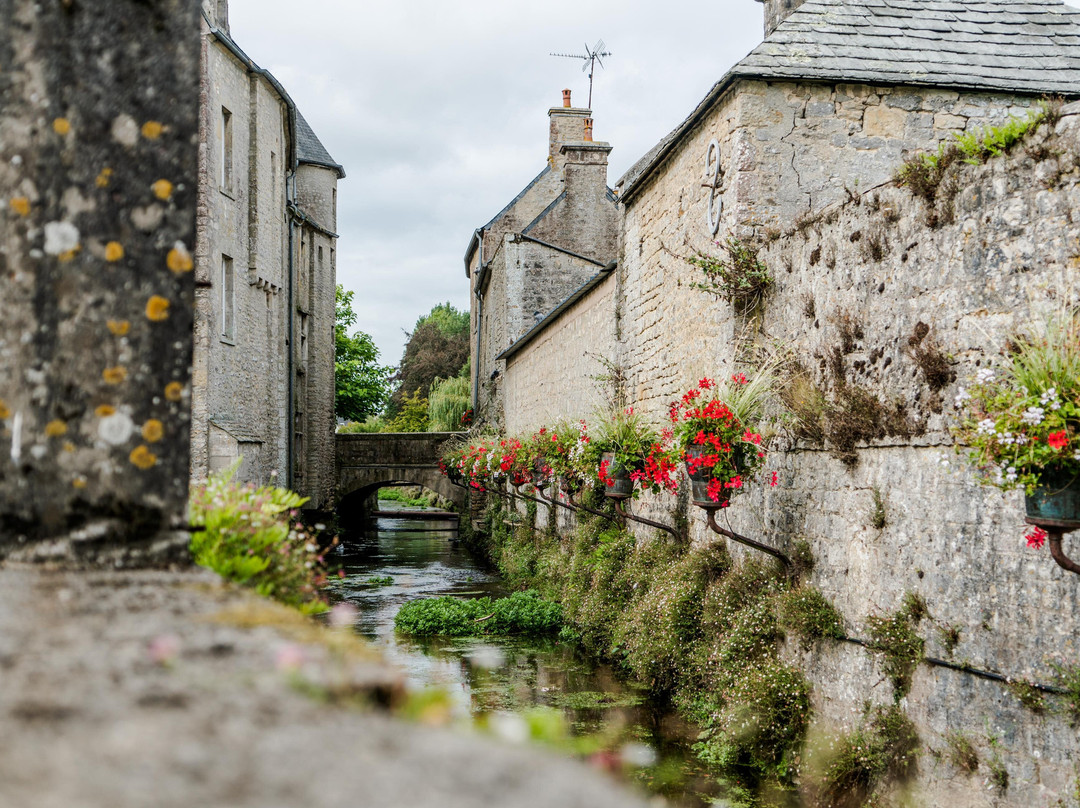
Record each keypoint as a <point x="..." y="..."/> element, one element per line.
<point x="521" y="613"/>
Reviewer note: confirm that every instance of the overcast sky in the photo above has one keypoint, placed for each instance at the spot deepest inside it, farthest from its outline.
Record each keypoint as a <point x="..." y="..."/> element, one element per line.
<point x="438" y="112"/>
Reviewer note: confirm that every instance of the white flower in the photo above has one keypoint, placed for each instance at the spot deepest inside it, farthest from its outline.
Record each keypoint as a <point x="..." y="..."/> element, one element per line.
<point x="1076" y="455"/>
<point x="962" y="395"/>
<point x="1050" y="397"/>
<point x="1033" y="416"/>
<point x="943" y="459"/>
<point x="986" y="426"/>
<point x="984" y="376"/>
<point x="311" y="548"/>
<point x="1010" y="474"/>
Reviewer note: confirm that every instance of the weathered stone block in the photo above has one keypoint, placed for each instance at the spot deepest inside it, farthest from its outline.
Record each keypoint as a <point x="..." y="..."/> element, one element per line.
<point x="884" y="121"/>
<point x="98" y="155"/>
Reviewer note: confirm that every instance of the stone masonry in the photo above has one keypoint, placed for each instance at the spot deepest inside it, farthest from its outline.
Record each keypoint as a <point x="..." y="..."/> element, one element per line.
<point x="97" y="171"/>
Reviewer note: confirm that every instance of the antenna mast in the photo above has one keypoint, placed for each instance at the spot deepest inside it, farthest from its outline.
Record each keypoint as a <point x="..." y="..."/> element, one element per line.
<point x="593" y="56"/>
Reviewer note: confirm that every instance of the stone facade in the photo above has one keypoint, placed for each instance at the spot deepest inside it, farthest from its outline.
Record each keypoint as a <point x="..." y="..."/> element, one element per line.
<point x="539" y="249"/>
<point x="865" y="280"/>
<point x="265" y="272"/>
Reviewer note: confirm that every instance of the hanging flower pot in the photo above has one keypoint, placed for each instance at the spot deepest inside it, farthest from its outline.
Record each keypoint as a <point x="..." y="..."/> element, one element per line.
<point x="697" y="471"/>
<point x="540" y="471"/>
<point x="616" y="477"/>
<point x="701" y="494"/>
<point x="1055" y="501"/>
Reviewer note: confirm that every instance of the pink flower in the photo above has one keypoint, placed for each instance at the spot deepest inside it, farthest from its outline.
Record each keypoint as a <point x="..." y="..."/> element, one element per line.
<point x="774" y="482"/>
<point x="1036" y="537"/>
<point x="164" y="648"/>
<point x="738" y="378"/>
<point x="289" y="658"/>
<point x="343" y="615"/>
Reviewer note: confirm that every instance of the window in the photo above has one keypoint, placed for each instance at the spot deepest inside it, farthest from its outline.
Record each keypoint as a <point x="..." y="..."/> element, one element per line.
<point x="303" y="339"/>
<point x="273" y="179"/>
<point x="226" y="150"/>
<point x="333" y="207"/>
<point x="228" y="299"/>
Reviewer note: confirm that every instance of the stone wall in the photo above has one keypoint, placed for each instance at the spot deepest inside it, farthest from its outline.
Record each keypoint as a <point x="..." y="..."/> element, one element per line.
<point x="558" y="366"/>
<point x="98" y="178"/>
<point x="241" y="268"/>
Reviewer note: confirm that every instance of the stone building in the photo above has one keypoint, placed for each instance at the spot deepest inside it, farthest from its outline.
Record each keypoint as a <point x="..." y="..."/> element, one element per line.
<point x="265" y="263"/>
<point x="793" y="152"/>
<point x="555" y="235"/>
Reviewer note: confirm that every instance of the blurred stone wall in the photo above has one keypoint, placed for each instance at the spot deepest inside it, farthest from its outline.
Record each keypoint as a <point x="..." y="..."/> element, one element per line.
<point x="98" y="152"/>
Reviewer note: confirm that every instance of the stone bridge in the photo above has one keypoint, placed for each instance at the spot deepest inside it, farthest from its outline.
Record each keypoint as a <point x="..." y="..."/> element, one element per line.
<point x="368" y="461"/>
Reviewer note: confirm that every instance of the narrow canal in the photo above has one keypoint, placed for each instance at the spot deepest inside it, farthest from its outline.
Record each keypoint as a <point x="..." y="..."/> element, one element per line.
<point x="398" y="560"/>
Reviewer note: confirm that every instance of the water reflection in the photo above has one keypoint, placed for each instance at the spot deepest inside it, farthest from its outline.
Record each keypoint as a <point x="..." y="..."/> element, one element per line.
<point x="492" y="676"/>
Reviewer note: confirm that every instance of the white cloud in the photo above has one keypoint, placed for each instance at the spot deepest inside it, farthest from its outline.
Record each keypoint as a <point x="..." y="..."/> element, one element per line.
<point x="438" y="111"/>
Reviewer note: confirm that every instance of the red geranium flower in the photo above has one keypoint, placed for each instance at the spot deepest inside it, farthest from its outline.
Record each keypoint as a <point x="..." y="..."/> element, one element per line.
<point x="1058" y="440"/>
<point x="1035" y="538"/>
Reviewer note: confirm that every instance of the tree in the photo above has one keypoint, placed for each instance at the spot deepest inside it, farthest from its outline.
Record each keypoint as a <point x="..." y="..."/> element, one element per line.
<point x="413" y="416"/>
<point x="361" y="384"/>
<point x="438" y="347"/>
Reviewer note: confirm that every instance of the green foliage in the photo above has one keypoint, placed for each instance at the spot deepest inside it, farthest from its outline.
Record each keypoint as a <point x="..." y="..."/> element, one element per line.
<point x="895" y="638"/>
<point x="437" y="348"/>
<point x="885" y="746"/>
<point x="806" y="612"/>
<point x="521" y="613"/>
<point x="380" y="580"/>
<point x="447" y="403"/>
<point x="878" y="517"/>
<point x="247" y="538"/>
<point x="412" y="416"/>
<point x="1028" y="695"/>
<point x="425" y="500"/>
<point x="739" y="276"/>
<point x="1021" y="422"/>
<point x="374" y="423"/>
<point x="960" y="752"/>
<point x="361" y="384"/>
<point x="1068" y="679"/>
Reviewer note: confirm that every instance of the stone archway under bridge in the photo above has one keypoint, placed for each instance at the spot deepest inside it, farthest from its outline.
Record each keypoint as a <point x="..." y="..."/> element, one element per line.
<point x="366" y="462"/>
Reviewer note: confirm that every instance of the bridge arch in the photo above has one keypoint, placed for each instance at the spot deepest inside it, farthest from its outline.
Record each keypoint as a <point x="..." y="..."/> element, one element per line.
<point x="368" y="461"/>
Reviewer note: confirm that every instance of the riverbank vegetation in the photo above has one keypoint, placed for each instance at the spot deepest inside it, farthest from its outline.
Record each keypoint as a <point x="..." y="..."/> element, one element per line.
<point x="696" y="626"/>
<point x="252" y="536"/>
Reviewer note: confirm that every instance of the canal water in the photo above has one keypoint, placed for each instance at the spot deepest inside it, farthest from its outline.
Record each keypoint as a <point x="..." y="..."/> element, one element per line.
<point x="496" y="679"/>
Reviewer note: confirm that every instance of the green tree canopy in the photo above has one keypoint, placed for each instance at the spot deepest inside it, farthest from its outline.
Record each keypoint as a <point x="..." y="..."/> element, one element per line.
<point x="438" y="347"/>
<point x="361" y="384"/>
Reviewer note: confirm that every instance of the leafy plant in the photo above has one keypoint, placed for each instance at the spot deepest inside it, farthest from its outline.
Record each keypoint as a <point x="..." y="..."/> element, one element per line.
<point x="901" y="648"/>
<point x="448" y="402"/>
<point x="1020" y="423"/>
<point x="361" y="384"/>
<point x="739" y="276"/>
<point x="806" y="612"/>
<point x="961" y="753"/>
<point x="413" y="415"/>
<point x="438" y="347"/>
<point x="1028" y="695"/>
<point x="884" y="747"/>
<point x="248" y="536"/>
<point x="521" y="613"/>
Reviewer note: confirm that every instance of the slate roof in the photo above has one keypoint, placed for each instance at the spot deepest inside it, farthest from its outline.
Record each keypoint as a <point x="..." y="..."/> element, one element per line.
<point x="310" y="150"/>
<point x="1022" y="46"/>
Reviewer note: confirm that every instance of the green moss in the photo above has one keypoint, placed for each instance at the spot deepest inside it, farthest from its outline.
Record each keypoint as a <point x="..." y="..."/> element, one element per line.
<point x="595" y="700"/>
<point x="901" y="647"/>
<point x="1068" y="679"/>
<point x="878" y="518"/>
<point x="805" y="612"/>
<point x="884" y="748"/>
<point x="380" y="580"/>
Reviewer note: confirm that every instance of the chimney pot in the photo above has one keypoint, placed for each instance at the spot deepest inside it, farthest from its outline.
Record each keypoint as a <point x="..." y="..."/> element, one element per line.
<point x="566" y="98"/>
<point x="588" y="130"/>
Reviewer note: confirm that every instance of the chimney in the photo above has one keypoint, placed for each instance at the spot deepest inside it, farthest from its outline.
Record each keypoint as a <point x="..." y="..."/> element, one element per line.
<point x="776" y="11"/>
<point x="588" y="130"/>
<point x="566" y="125"/>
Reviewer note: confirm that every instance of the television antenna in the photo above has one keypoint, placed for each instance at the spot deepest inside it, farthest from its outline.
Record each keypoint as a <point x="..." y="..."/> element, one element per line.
<point x="592" y="57"/>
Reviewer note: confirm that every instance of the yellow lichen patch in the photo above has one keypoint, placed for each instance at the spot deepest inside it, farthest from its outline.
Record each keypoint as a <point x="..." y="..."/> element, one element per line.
<point x="179" y="259"/>
<point x="118" y="327"/>
<point x="103" y="178"/>
<point x="114" y="375"/>
<point x="162" y="189"/>
<point x="61" y="126"/>
<point x="142" y="457"/>
<point x="151" y="130"/>
<point x="153" y="431"/>
<point x="157" y="308"/>
<point x="79" y="482"/>
<point x="68" y="255"/>
<point x="104" y="410"/>
<point x="69" y="447"/>
<point x="6" y="413"/>
<point x="54" y="429"/>
<point x="114" y="251"/>
<point x="174" y="391"/>
<point x="21" y="205"/>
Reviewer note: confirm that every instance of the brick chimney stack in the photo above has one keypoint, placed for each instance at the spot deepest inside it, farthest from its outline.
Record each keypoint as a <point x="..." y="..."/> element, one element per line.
<point x="776" y="11"/>
<point x="567" y="125"/>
